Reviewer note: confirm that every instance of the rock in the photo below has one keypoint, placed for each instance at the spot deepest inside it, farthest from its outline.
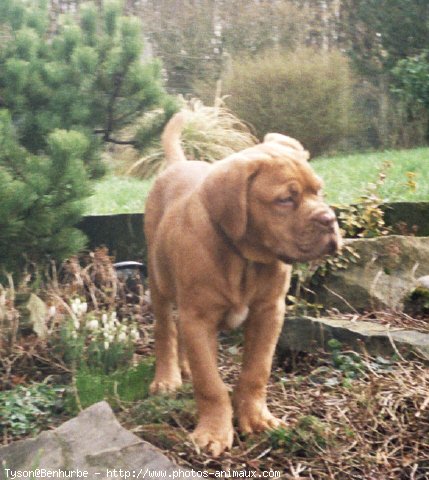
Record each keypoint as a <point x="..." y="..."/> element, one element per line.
<point x="381" y="278"/>
<point x="408" y="216"/>
<point x="93" y="442"/>
<point x="417" y="301"/>
<point x="305" y="334"/>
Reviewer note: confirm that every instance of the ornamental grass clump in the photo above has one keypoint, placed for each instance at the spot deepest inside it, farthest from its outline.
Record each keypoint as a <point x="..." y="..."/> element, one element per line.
<point x="210" y="134"/>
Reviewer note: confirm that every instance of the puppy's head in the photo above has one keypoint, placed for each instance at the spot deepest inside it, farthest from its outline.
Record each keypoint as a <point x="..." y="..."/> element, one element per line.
<point x="267" y="200"/>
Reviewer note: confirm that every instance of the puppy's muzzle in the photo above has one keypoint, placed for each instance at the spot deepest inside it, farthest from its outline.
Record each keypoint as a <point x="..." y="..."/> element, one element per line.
<point x="326" y="221"/>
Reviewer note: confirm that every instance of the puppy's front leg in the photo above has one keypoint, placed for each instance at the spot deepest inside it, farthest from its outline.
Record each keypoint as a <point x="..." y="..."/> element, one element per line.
<point x="214" y="430"/>
<point x="261" y="333"/>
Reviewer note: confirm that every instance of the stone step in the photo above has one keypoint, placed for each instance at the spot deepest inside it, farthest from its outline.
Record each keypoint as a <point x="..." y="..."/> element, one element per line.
<point x="305" y="334"/>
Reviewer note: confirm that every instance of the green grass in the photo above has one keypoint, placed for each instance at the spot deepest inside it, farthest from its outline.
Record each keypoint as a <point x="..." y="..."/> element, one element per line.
<point x="345" y="177"/>
<point x="118" y="194"/>
<point x="121" y="386"/>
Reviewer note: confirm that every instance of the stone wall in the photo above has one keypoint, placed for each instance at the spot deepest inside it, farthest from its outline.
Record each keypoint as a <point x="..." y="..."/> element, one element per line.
<point x="123" y="234"/>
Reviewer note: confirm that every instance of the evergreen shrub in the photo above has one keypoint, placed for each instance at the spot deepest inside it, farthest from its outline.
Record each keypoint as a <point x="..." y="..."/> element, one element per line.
<point x="83" y="71"/>
<point x="41" y="197"/>
<point x="68" y="83"/>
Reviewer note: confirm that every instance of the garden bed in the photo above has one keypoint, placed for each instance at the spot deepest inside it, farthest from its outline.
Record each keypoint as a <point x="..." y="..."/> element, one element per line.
<point x="347" y="415"/>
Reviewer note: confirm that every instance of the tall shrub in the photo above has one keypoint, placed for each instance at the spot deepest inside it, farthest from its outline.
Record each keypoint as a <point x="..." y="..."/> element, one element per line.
<point x="411" y="80"/>
<point x="378" y="35"/>
<point x="306" y="94"/>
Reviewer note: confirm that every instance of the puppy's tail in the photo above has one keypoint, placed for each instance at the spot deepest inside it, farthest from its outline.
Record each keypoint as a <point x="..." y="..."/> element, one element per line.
<point x="171" y="138"/>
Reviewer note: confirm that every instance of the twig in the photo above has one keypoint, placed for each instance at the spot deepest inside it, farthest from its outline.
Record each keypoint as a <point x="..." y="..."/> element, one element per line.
<point x="394" y="346"/>
<point x="341" y="298"/>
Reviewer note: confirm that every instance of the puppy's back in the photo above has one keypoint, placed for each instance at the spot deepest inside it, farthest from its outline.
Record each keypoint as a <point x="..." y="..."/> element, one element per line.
<point x="175" y="183"/>
<point x="179" y="179"/>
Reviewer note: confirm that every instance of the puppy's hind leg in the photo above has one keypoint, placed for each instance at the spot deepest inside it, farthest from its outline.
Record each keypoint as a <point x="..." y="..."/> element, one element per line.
<point x="185" y="367"/>
<point x="167" y="372"/>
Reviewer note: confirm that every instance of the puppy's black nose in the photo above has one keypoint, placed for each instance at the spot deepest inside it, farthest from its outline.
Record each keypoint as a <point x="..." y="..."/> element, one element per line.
<point x="326" y="218"/>
<point x="333" y="246"/>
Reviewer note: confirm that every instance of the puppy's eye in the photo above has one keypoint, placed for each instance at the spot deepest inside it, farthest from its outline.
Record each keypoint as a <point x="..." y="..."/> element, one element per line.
<point x="285" y="201"/>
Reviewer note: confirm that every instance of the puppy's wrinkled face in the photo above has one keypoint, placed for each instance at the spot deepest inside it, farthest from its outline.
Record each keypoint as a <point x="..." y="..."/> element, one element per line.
<point x="287" y="214"/>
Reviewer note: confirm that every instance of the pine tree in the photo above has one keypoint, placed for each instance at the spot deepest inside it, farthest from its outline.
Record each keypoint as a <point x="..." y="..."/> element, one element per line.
<point x="67" y="84"/>
<point x="82" y="72"/>
<point x="41" y="197"/>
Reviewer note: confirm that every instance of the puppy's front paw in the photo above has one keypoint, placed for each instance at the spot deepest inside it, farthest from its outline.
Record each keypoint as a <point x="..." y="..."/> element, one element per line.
<point x="164" y="385"/>
<point x="213" y="439"/>
<point x="252" y="419"/>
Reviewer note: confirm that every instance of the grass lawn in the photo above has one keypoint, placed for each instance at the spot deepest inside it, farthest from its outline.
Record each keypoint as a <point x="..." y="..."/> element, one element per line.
<point x="118" y="194"/>
<point x="345" y="178"/>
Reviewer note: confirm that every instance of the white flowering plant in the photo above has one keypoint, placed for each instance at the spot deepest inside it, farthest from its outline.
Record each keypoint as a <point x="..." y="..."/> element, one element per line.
<point x="97" y="340"/>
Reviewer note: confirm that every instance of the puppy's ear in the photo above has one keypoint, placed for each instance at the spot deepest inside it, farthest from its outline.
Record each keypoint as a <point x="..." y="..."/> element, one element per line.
<point x="290" y="146"/>
<point x="224" y="194"/>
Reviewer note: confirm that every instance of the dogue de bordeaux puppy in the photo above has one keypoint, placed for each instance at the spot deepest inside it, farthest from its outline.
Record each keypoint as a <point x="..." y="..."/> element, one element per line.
<point x="221" y="240"/>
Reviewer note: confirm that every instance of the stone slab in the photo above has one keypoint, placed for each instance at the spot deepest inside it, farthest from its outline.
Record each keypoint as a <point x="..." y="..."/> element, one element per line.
<point x="307" y="333"/>
<point x="93" y="442"/>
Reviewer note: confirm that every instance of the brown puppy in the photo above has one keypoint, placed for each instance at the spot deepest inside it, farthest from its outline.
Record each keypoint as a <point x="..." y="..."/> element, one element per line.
<point x="221" y="240"/>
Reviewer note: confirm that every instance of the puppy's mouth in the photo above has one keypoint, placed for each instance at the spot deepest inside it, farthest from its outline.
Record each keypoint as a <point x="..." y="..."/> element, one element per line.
<point x="287" y="260"/>
<point x="330" y="246"/>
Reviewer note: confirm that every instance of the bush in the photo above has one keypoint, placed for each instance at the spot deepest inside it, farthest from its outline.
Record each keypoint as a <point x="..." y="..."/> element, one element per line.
<point x="305" y="94"/>
<point x="69" y="83"/>
<point x="411" y="78"/>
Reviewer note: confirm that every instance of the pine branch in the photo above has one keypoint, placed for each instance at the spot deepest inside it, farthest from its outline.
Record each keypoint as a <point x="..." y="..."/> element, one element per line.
<point x="111" y="105"/>
<point x="120" y="142"/>
<point x="109" y="139"/>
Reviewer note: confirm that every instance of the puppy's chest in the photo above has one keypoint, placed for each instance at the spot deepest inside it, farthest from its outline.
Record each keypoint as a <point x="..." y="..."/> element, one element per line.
<point x="242" y="290"/>
<point x="236" y="316"/>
